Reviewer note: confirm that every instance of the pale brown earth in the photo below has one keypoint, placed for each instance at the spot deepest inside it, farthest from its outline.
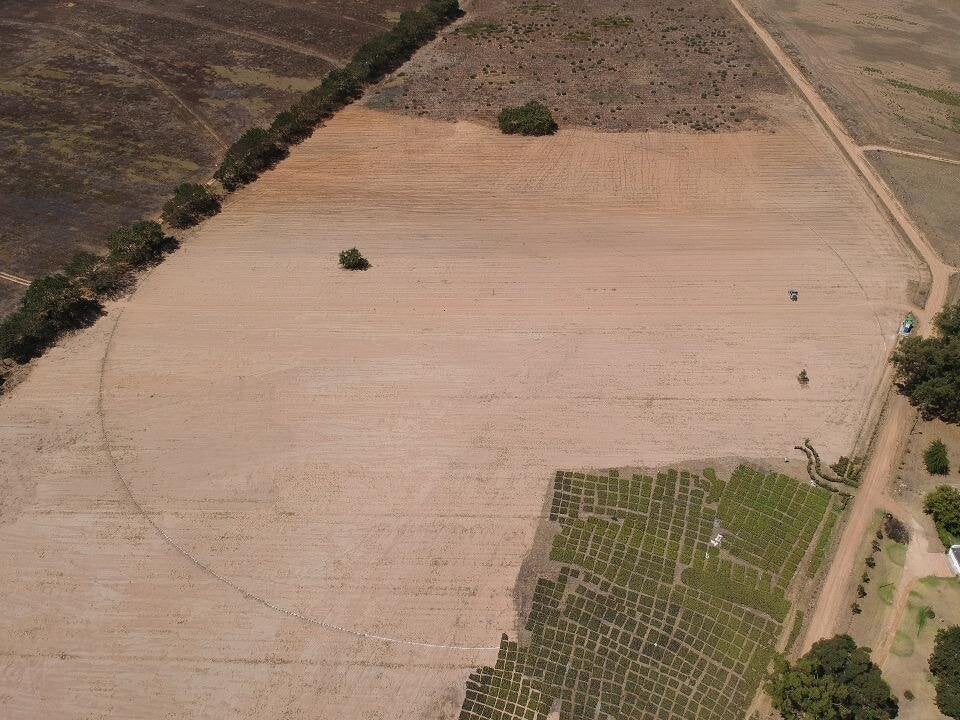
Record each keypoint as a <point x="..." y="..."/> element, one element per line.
<point x="856" y="50"/>
<point x="371" y="450"/>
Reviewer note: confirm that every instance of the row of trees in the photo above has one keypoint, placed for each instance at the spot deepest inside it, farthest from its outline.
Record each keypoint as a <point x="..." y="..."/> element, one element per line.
<point x="258" y="149"/>
<point x="72" y="298"/>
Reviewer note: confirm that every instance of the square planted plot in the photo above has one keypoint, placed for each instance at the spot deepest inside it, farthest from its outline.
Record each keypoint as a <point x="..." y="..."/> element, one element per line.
<point x="669" y="599"/>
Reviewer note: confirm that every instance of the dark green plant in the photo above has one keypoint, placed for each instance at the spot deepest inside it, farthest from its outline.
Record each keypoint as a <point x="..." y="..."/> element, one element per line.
<point x="190" y="204"/>
<point x="835" y="680"/>
<point x="51" y="306"/>
<point x="256" y="150"/>
<point x="352" y="260"/>
<point x="140" y="244"/>
<point x="803" y="378"/>
<point x="936" y="459"/>
<point x="928" y="369"/>
<point x="530" y="119"/>
<point x="943" y="504"/>
<point x="870" y="562"/>
<point x="945" y="667"/>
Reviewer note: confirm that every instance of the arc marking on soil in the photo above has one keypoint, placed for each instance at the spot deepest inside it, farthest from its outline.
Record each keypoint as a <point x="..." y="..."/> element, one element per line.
<point x="204" y="567"/>
<point x="14" y="278"/>
<point x="908" y="153"/>
<point x="210" y="25"/>
<point x="164" y="88"/>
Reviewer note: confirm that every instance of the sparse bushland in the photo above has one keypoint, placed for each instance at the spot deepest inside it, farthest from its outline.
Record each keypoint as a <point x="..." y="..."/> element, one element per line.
<point x="945" y="667"/>
<point x="928" y="369"/>
<point x="944" y="505"/>
<point x="530" y="119"/>
<point x="191" y="203"/>
<point x="835" y="679"/>
<point x="936" y="459"/>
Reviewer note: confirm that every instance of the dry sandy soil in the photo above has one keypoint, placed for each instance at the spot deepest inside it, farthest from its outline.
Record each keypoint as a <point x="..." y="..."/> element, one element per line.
<point x="105" y="105"/>
<point x="930" y="190"/>
<point x="372" y="450"/>
<point x="891" y="70"/>
<point x="872" y="60"/>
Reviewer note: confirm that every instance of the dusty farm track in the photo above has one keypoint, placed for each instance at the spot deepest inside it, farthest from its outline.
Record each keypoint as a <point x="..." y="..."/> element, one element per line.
<point x="372" y="450"/>
<point x="895" y="424"/>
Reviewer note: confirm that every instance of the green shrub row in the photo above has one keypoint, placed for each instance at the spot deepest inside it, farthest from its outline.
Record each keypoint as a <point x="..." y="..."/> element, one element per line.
<point x="71" y="299"/>
<point x="258" y="150"/>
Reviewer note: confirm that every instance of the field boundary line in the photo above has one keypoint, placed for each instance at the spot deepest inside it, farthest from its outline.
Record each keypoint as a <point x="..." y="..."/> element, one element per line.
<point x="205" y="568"/>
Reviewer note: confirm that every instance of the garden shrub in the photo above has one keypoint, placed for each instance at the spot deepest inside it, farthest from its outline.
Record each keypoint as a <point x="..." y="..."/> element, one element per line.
<point x="936" y="459"/>
<point x="945" y="667"/>
<point x="352" y="260"/>
<point x="530" y="119"/>
<point x="190" y="204"/>
<point x="944" y="505"/>
<point x="256" y="150"/>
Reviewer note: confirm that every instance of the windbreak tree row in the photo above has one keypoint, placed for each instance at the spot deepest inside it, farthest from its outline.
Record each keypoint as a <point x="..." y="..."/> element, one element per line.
<point x="72" y="299"/>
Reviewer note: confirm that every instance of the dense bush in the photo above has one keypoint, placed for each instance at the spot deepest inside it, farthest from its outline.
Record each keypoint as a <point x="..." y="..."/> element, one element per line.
<point x="835" y="679"/>
<point x="936" y="459"/>
<point x="928" y="369"/>
<point x="530" y="119"/>
<point x="256" y="150"/>
<point x="140" y="244"/>
<point x="352" y="260"/>
<point x="944" y="505"/>
<point x="190" y="204"/>
<point x="51" y="306"/>
<point x="70" y="300"/>
<point x="945" y="667"/>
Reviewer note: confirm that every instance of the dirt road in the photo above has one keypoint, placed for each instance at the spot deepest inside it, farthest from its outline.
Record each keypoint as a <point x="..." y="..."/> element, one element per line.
<point x="908" y="153"/>
<point x="896" y="422"/>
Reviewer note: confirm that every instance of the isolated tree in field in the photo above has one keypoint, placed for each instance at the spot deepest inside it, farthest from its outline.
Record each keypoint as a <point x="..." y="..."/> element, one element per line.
<point x="803" y="378"/>
<point x="190" y="204"/>
<point x="530" y="119"/>
<point x="928" y="369"/>
<point x="352" y="260"/>
<point x="944" y="505"/>
<point x="936" y="459"/>
<point x="945" y="667"/>
<point x="835" y="680"/>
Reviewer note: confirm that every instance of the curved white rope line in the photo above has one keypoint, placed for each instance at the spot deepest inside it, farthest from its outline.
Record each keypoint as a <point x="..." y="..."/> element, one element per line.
<point x="213" y="573"/>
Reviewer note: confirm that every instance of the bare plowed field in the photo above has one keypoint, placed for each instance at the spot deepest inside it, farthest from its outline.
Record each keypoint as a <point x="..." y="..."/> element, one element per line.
<point x="105" y="105"/>
<point x="371" y="451"/>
